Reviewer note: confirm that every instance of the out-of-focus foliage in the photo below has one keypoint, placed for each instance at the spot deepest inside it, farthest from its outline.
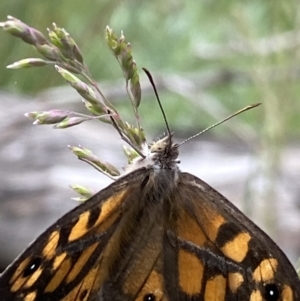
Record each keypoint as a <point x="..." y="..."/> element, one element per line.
<point x="251" y="47"/>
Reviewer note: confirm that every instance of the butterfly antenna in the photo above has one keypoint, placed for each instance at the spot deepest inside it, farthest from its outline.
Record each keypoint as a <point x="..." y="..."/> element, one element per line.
<point x="158" y="100"/>
<point x="220" y="122"/>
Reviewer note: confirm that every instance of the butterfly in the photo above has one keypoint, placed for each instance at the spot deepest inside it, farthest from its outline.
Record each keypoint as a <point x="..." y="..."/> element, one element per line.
<point x="156" y="234"/>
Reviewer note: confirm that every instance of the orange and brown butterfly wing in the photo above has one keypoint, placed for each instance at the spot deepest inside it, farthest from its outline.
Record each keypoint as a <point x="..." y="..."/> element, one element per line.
<point x="221" y="254"/>
<point x="190" y="243"/>
<point x="72" y="259"/>
<point x="148" y="238"/>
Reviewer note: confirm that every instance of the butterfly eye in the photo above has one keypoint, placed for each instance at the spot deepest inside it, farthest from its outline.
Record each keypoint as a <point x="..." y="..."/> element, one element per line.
<point x="271" y="292"/>
<point x="32" y="266"/>
<point x="149" y="297"/>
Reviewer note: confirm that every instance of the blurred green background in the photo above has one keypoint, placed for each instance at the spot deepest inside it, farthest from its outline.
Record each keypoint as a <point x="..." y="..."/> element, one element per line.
<point x="249" y="48"/>
<point x="208" y="58"/>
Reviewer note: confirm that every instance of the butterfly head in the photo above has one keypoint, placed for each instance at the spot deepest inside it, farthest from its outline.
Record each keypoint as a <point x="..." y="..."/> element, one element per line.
<point x="164" y="152"/>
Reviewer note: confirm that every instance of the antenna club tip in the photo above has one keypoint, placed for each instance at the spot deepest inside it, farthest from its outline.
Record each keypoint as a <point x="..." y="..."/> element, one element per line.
<point x="148" y="74"/>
